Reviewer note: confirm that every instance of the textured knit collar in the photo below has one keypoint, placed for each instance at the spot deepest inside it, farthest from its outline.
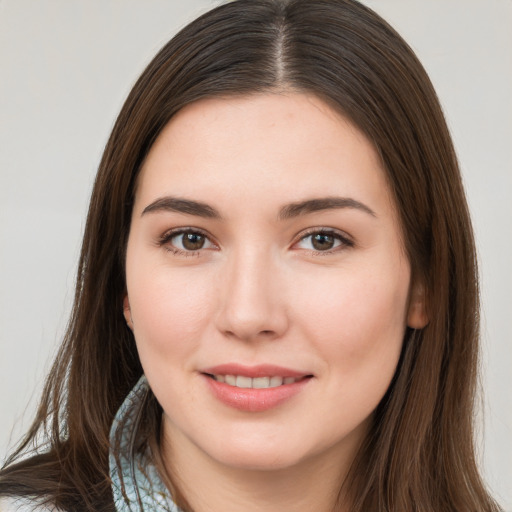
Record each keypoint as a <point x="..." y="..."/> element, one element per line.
<point x="135" y="479"/>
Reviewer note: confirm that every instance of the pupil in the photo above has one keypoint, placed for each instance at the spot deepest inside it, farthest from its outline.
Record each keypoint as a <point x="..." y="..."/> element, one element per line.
<point x="193" y="241"/>
<point x="323" y="242"/>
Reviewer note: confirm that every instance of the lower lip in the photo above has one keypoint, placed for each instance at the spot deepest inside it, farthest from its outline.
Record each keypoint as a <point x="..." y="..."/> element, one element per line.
<point x="255" y="400"/>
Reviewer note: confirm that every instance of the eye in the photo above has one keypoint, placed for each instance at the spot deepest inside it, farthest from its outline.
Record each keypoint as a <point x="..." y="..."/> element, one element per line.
<point x="186" y="241"/>
<point x="323" y="241"/>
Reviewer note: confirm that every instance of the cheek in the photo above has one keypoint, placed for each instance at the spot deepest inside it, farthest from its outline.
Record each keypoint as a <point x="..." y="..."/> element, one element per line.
<point x="169" y="309"/>
<point x="357" y="327"/>
<point x="359" y="319"/>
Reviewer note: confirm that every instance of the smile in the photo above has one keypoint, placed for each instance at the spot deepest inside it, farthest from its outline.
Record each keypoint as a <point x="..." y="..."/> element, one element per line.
<point x="254" y="388"/>
<point x="242" y="381"/>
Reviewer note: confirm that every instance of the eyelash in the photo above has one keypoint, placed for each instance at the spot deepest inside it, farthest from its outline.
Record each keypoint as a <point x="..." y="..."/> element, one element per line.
<point x="169" y="235"/>
<point x="345" y="241"/>
<point x="343" y="238"/>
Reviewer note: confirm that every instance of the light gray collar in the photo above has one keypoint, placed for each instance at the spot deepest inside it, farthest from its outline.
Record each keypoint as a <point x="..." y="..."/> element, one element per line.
<point x="135" y="479"/>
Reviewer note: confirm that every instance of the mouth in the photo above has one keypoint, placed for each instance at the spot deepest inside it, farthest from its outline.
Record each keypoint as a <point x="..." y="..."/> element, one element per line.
<point x="265" y="382"/>
<point x="255" y="388"/>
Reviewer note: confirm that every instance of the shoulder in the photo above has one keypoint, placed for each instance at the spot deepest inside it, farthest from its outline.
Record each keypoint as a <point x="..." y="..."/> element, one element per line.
<point x="23" y="505"/>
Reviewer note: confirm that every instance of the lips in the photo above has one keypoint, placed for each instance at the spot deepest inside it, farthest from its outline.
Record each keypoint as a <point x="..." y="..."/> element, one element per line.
<point x="254" y="388"/>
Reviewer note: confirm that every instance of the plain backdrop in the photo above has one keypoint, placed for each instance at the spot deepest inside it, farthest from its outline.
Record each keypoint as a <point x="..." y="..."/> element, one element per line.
<point x="65" y="69"/>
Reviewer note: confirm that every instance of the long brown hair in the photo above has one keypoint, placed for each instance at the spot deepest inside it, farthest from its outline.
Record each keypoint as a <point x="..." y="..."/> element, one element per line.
<point x="419" y="453"/>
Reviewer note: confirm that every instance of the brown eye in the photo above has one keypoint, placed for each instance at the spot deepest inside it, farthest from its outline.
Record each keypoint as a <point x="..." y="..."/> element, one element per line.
<point x="322" y="241"/>
<point x="187" y="241"/>
<point x="193" y="241"/>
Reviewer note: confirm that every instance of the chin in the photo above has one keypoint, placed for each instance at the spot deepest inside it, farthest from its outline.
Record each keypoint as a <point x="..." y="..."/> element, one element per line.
<point x="267" y="454"/>
<point x="258" y="460"/>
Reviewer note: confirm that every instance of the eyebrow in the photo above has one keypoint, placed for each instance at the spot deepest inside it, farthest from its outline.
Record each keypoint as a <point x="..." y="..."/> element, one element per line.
<point x="199" y="209"/>
<point x="176" y="204"/>
<point x="325" y="203"/>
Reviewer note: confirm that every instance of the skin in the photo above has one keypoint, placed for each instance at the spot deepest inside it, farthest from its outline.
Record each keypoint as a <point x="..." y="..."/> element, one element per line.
<point x="259" y="292"/>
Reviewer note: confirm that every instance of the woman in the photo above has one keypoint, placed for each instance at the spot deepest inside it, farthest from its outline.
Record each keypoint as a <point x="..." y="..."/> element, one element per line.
<point x="276" y="306"/>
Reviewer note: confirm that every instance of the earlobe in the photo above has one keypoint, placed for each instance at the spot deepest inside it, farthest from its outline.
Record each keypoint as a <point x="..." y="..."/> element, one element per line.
<point x="127" y="312"/>
<point x="417" y="317"/>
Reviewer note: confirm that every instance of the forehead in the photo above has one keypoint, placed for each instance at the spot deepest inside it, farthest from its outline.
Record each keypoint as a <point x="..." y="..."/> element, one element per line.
<point x="262" y="148"/>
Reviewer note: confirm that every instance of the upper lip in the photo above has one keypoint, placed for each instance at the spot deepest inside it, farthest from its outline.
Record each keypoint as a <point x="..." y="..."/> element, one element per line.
<point x="260" y="370"/>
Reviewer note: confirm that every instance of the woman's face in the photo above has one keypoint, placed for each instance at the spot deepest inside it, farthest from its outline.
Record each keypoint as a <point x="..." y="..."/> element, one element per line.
<point x="268" y="289"/>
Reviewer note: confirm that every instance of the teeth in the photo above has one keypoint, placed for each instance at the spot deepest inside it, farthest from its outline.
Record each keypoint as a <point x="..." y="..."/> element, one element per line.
<point x="261" y="382"/>
<point x="276" y="381"/>
<point x="229" y="379"/>
<point x="241" y="381"/>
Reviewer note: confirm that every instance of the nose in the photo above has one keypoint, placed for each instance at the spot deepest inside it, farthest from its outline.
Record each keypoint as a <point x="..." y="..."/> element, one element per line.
<point x="252" y="304"/>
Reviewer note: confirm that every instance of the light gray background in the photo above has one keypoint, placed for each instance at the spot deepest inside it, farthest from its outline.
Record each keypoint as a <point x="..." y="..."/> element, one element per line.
<point x="65" y="69"/>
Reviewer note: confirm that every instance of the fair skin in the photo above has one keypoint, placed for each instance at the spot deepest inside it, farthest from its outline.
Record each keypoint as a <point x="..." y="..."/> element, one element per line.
<point x="235" y="258"/>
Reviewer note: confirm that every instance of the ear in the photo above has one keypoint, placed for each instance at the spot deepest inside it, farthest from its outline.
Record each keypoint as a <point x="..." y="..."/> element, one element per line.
<point x="127" y="312"/>
<point x="417" y="317"/>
